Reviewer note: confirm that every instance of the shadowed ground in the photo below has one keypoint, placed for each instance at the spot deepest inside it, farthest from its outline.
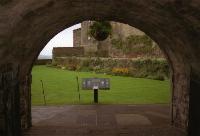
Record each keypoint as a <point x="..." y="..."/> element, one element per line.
<point x="103" y="120"/>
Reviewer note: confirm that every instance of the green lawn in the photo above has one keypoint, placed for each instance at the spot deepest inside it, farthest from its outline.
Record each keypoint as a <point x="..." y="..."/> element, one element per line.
<point x="61" y="88"/>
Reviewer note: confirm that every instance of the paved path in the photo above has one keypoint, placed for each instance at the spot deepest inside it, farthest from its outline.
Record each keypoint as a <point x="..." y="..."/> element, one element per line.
<point x="103" y="120"/>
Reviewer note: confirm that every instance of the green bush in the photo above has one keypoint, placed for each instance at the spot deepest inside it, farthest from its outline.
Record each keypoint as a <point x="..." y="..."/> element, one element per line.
<point x="157" y="77"/>
<point x="142" y="68"/>
<point x="84" y="69"/>
<point x="54" y="63"/>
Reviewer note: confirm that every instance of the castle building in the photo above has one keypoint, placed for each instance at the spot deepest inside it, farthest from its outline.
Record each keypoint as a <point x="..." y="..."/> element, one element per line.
<point x="120" y="33"/>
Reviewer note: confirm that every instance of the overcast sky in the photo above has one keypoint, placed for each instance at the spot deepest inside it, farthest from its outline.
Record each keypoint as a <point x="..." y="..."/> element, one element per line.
<point x="63" y="39"/>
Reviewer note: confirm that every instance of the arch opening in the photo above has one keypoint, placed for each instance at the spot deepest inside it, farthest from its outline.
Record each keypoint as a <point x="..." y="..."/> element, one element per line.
<point x="164" y="109"/>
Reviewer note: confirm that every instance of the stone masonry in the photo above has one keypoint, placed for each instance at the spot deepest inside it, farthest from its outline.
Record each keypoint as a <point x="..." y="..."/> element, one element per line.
<point x="105" y="48"/>
<point x="67" y="51"/>
<point x="9" y="101"/>
<point x="25" y="102"/>
<point x="77" y="37"/>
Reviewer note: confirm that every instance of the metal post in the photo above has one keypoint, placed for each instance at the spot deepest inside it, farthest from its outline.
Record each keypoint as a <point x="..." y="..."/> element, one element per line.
<point x="95" y="95"/>
<point x="43" y="93"/>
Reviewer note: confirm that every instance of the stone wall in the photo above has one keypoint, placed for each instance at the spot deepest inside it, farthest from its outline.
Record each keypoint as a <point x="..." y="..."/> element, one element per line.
<point x="151" y="53"/>
<point x="86" y="40"/>
<point x="77" y="37"/>
<point x="90" y="51"/>
<point x="124" y="30"/>
<point x="25" y="102"/>
<point x="180" y="95"/>
<point x="68" y="51"/>
<point x="9" y="101"/>
<point x="194" y="111"/>
<point x="105" y="48"/>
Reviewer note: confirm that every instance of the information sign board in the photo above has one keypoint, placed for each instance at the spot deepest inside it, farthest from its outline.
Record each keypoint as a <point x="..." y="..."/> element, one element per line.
<point x="95" y="83"/>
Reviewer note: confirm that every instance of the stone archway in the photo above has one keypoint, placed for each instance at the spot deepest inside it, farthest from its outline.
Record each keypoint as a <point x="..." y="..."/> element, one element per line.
<point x="26" y="27"/>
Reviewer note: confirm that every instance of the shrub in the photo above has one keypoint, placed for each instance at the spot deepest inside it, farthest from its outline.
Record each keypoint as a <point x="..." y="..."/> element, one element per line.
<point x="120" y="71"/>
<point x="157" y="77"/>
<point x="85" y="62"/>
<point x="54" y="63"/>
<point x="142" y="68"/>
<point x="84" y="69"/>
<point x="72" y="67"/>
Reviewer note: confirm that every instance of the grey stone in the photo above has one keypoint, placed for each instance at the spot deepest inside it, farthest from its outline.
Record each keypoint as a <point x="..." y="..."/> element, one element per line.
<point x="132" y="119"/>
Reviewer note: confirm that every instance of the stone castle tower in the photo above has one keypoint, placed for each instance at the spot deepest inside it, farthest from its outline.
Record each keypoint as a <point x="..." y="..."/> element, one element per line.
<point x="105" y="48"/>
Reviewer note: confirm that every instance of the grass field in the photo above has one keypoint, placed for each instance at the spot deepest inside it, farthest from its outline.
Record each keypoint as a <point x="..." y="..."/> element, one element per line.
<point x="61" y="88"/>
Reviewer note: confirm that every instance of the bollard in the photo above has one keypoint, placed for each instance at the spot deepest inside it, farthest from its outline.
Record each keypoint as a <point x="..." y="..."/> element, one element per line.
<point x="95" y="95"/>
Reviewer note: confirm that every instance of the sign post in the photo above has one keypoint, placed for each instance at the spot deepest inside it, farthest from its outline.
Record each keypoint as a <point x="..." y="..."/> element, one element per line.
<point x="96" y="96"/>
<point x="95" y="84"/>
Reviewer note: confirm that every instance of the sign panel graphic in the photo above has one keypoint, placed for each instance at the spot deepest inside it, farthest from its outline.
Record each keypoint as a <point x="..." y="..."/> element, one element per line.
<point x="95" y="83"/>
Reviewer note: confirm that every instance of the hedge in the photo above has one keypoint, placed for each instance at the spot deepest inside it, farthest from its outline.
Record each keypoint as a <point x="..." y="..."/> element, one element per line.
<point x="142" y="68"/>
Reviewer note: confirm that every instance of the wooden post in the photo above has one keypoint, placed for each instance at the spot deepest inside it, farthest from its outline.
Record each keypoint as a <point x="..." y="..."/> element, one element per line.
<point x="43" y="92"/>
<point x="78" y="89"/>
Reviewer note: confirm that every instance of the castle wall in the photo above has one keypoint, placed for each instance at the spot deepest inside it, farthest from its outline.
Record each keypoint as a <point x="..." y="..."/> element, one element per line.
<point x="105" y="48"/>
<point x="91" y="46"/>
<point x="68" y="51"/>
<point x="77" y="37"/>
<point x="124" y="30"/>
